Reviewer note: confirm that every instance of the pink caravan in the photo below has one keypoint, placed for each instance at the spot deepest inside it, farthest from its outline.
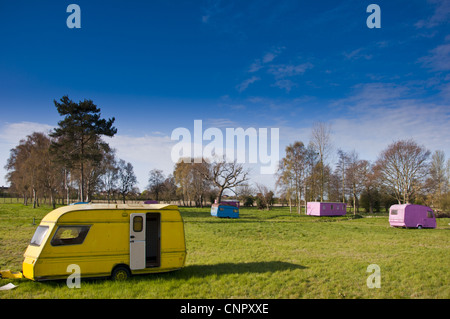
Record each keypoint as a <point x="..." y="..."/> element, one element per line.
<point x="326" y="209"/>
<point x="411" y="216"/>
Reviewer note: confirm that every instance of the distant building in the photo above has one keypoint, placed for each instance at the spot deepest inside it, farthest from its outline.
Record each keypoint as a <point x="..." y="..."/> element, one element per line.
<point x="4" y="190"/>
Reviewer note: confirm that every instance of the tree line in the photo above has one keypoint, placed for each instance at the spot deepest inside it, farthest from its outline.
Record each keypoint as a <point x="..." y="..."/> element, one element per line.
<point x="404" y="172"/>
<point x="74" y="162"/>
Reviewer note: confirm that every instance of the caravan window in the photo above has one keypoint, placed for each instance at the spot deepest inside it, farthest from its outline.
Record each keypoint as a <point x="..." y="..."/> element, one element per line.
<point x="138" y="224"/>
<point x="70" y="235"/>
<point x="39" y="235"/>
<point x="394" y="212"/>
<point x="430" y="214"/>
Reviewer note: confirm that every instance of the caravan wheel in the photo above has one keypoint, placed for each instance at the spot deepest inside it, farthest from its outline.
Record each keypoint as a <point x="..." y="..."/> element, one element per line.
<point x="120" y="273"/>
<point x="419" y="227"/>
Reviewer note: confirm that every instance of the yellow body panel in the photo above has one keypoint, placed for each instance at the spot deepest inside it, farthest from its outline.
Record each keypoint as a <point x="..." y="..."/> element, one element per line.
<point x="8" y="274"/>
<point x="107" y="243"/>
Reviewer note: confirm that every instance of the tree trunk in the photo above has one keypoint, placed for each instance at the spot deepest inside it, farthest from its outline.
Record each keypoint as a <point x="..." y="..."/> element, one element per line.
<point x="52" y="200"/>
<point x="219" y="198"/>
<point x="34" y="198"/>
<point x="323" y="179"/>
<point x="81" y="185"/>
<point x="67" y="187"/>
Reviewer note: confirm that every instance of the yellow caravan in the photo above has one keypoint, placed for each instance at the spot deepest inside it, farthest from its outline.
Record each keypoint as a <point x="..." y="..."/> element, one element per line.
<point x="106" y="240"/>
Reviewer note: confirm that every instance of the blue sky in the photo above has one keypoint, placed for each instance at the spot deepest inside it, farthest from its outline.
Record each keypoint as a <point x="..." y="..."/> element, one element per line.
<point x="158" y="65"/>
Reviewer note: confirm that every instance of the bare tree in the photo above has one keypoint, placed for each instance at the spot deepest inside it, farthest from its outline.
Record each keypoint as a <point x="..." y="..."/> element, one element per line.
<point x="109" y="178"/>
<point x="170" y="189"/>
<point x="356" y="173"/>
<point x="127" y="179"/>
<point x="438" y="180"/>
<point x="313" y="172"/>
<point x="340" y="169"/>
<point x="264" y="197"/>
<point x="402" y="167"/>
<point x="32" y="168"/>
<point x="370" y="189"/>
<point x="194" y="181"/>
<point x="292" y="172"/>
<point x="246" y="194"/>
<point x="156" y="182"/>
<point x="226" y="175"/>
<point x="321" y="139"/>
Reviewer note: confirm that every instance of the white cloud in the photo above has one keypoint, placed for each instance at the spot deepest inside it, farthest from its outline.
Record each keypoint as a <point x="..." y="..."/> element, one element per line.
<point x="373" y="130"/>
<point x="289" y="70"/>
<point x="205" y="18"/>
<point x="144" y="153"/>
<point x="244" y="85"/>
<point x="285" y="84"/>
<point x="10" y="136"/>
<point x="268" y="57"/>
<point x="438" y="59"/>
<point x="212" y="8"/>
<point x="281" y="72"/>
<point x="255" y="66"/>
<point x="12" y="133"/>
<point x="440" y="15"/>
<point x="378" y="114"/>
<point x="357" y="54"/>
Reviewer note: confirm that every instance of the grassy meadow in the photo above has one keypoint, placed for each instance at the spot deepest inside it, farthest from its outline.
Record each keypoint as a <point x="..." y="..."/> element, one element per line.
<point x="275" y="254"/>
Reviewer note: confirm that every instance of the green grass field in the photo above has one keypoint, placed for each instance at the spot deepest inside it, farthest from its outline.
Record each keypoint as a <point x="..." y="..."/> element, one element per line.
<point x="263" y="254"/>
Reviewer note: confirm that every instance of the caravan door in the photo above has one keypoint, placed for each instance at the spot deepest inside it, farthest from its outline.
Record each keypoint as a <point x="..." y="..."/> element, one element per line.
<point x="137" y="241"/>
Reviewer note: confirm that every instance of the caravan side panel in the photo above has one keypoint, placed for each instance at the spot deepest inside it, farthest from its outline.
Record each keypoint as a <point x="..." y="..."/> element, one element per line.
<point x="98" y="239"/>
<point x="105" y="245"/>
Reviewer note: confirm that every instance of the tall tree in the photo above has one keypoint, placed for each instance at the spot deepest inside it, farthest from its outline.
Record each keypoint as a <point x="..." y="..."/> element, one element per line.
<point x="340" y="169"/>
<point x="170" y="189"/>
<point x="182" y="177"/>
<point x="110" y="174"/>
<point x="356" y="173"/>
<point x="17" y="174"/>
<point x="438" y="179"/>
<point x="245" y="194"/>
<point x="291" y="172"/>
<point x="194" y="180"/>
<point x="264" y="197"/>
<point x="78" y="136"/>
<point x="313" y="173"/>
<point x="321" y="139"/>
<point x="370" y="194"/>
<point x="126" y="179"/>
<point x="32" y="169"/>
<point x="156" y="183"/>
<point x="402" y="167"/>
<point x="226" y="175"/>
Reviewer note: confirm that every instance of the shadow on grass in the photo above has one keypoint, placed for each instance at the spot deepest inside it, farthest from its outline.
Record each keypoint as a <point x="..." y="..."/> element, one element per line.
<point x="195" y="271"/>
<point x="200" y="271"/>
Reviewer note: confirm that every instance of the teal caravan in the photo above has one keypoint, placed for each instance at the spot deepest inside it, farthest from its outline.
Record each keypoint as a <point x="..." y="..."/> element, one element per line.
<point x="225" y="209"/>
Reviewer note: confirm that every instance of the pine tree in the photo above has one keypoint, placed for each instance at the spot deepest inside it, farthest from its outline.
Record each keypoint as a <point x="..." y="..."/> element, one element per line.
<point x="77" y="139"/>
